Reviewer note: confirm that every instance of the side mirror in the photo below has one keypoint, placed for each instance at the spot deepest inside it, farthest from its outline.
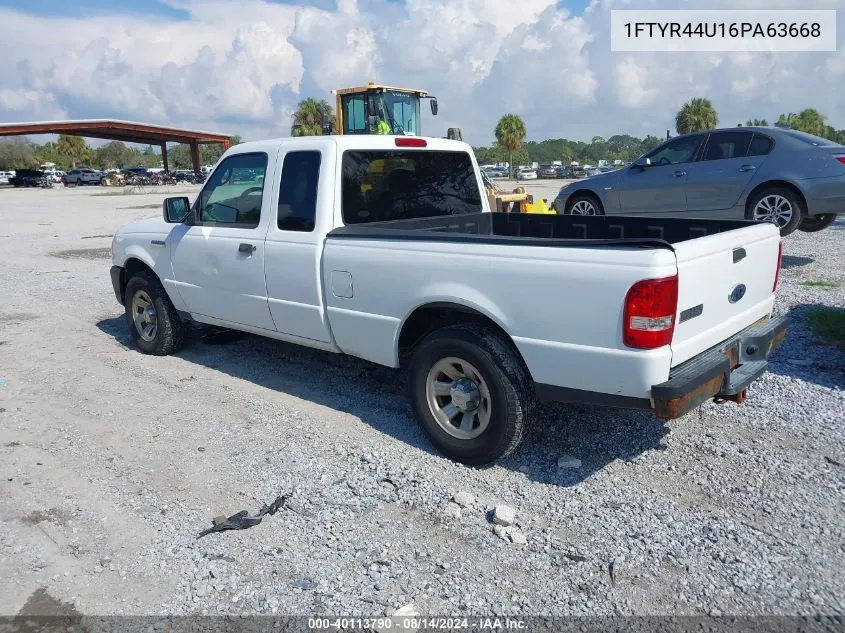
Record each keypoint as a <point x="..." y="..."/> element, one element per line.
<point x="176" y="210"/>
<point x="433" y="103"/>
<point x="642" y="162"/>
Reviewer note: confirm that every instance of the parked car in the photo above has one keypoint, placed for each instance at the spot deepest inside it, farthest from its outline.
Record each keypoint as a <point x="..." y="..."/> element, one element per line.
<point x="411" y="268"/>
<point x="496" y="172"/>
<point x="547" y="171"/>
<point x="29" y="178"/>
<point x="83" y="176"/>
<point x="5" y="176"/>
<point x="525" y="173"/>
<point x="793" y="179"/>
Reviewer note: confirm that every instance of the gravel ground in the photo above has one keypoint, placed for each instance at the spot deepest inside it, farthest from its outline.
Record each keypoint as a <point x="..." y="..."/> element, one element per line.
<point x="111" y="463"/>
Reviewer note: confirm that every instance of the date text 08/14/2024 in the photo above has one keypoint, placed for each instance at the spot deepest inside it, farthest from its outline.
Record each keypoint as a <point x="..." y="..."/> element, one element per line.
<point x="418" y="623"/>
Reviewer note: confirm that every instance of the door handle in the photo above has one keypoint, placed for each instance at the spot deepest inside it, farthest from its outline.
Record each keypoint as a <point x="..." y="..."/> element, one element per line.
<point x="747" y="167"/>
<point x="246" y="248"/>
<point x="678" y="174"/>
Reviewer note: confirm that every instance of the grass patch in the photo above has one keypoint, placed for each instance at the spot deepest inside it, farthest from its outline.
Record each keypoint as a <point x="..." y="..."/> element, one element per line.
<point x="820" y="283"/>
<point x="828" y="324"/>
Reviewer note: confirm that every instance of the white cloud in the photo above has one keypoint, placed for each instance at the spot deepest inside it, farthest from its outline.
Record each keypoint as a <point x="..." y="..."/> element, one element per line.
<point x="241" y="67"/>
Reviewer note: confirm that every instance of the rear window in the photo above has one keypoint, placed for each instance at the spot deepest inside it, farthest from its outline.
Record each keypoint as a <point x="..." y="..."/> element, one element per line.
<point x="809" y="139"/>
<point x="381" y="185"/>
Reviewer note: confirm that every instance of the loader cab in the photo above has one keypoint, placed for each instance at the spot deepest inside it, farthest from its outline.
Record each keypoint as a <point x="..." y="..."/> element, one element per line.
<point x="359" y="110"/>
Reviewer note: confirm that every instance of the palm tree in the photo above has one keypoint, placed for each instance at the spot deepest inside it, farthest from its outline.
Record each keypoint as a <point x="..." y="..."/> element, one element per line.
<point x="696" y="115"/>
<point x="73" y="149"/>
<point x="756" y="123"/>
<point x="310" y="116"/>
<point x="510" y="133"/>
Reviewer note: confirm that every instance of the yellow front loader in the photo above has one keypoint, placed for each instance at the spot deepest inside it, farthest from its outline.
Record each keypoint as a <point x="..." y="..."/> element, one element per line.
<point x="380" y="109"/>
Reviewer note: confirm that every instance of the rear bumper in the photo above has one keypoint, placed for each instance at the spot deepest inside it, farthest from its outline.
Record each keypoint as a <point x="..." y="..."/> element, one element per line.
<point x="116" y="273"/>
<point x="723" y="371"/>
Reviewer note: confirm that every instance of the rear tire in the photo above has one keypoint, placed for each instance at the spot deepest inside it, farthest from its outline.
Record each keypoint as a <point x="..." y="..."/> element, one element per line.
<point x="154" y="324"/>
<point x="583" y="204"/>
<point x="473" y="373"/>
<point x="779" y="205"/>
<point x="813" y="223"/>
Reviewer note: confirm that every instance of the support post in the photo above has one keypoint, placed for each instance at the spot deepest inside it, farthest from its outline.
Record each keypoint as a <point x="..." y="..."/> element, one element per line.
<point x="195" y="156"/>
<point x="164" y="162"/>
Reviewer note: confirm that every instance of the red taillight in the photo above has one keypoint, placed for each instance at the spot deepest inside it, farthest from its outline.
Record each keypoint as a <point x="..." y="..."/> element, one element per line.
<point x="410" y="141"/>
<point x="777" y="270"/>
<point x="840" y="158"/>
<point x="649" y="313"/>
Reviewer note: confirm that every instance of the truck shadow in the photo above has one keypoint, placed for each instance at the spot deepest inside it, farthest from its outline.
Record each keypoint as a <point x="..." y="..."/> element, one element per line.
<point x="377" y="396"/>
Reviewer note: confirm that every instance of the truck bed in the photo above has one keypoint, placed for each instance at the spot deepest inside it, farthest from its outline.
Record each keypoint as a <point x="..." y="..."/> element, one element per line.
<point x="544" y="230"/>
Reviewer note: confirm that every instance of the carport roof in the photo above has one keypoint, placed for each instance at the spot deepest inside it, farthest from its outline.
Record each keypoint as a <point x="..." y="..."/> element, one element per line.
<point x="115" y="130"/>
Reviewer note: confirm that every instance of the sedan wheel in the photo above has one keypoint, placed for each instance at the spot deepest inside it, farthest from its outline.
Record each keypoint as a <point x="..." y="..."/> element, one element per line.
<point x="583" y="205"/>
<point x="774" y="208"/>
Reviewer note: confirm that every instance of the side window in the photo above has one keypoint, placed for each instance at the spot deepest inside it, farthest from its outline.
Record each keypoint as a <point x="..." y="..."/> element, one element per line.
<point x="298" y="191"/>
<point x="725" y="145"/>
<point x="676" y="151"/>
<point x="760" y="145"/>
<point x="233" y="194"/>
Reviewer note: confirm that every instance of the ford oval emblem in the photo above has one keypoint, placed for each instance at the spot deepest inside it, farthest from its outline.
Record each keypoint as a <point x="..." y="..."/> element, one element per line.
<point x="737" y="293"/>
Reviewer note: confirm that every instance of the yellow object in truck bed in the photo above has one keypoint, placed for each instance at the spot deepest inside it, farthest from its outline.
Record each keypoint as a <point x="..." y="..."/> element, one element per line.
<point x="539" y="207"/>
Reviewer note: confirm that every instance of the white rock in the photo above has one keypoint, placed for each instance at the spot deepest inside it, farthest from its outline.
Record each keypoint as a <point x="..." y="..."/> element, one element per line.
<point x="452" y="511"/>
<point x="516" y="537"/>
<point x="504" y="515"/>
<point x="464" y="499"/>
<point x="568" y="461"/>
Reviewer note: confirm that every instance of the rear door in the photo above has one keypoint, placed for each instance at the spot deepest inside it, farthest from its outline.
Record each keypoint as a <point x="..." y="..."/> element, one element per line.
<point x="660" y="187"/>
<point x="725" y="284"/>
<point x="723" y="172"/>
<point x="302" y="216"/>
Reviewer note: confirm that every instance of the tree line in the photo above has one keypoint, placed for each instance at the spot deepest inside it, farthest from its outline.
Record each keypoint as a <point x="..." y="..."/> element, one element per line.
<point x="68" y="152"/>
<point x="696" y="115"/>
<point x="510" y="146"/>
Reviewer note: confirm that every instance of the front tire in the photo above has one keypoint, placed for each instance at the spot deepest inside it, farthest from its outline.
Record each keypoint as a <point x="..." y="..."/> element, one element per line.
<point x="813" y="223"/>
<point x="471" y="392"/>
<point x="779" y="205"/>
<point x="584" y="204"/>
<point x="154" y="324"/>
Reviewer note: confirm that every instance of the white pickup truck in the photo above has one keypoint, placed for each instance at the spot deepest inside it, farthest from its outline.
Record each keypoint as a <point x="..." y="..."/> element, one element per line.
<point x="385" y="248"/>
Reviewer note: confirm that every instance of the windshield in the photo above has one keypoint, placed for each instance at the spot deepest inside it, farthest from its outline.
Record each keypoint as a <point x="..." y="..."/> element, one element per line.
<point x="403" y="110"/>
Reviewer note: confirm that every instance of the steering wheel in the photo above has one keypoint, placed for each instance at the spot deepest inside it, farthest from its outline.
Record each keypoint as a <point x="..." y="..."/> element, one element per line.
<point x="246" y="192"/>
<point x="664" y="161"/>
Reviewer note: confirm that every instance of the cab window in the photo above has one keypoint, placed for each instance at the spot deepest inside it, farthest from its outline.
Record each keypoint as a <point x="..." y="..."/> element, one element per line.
<point x="234" y="192"/>
<point x="298" y="191"/>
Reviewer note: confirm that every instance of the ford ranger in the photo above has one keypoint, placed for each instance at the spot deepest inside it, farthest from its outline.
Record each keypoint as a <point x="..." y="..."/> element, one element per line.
<point x="385" y="248"/>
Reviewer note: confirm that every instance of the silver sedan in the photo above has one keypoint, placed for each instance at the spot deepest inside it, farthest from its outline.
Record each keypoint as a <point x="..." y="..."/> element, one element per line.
<point x="791" y="178"/>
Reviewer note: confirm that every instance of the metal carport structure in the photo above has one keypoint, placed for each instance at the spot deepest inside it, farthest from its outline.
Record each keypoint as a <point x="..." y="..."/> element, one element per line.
<point x="125" y="131"/>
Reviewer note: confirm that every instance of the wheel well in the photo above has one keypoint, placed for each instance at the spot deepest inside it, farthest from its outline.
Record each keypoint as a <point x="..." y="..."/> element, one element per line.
<point x="132" y="267"/>
<point x="769" y="184"/>
<point x="434" y="316"/>
<point x="587" y="193"/>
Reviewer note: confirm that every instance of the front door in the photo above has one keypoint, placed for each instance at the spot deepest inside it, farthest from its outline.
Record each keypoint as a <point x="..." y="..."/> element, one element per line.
<point x="218" y="260"/>
<point x="660" y="186"/>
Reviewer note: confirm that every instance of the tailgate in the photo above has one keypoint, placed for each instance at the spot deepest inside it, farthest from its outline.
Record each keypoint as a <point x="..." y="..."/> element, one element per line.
<point x="725" y="283"/>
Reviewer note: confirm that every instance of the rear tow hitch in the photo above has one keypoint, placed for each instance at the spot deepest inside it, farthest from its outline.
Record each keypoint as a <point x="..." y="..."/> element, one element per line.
<point x="739" y="398"/>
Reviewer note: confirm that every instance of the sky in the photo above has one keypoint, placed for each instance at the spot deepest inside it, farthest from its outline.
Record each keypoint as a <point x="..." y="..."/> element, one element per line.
<point x="240" y="66"/>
